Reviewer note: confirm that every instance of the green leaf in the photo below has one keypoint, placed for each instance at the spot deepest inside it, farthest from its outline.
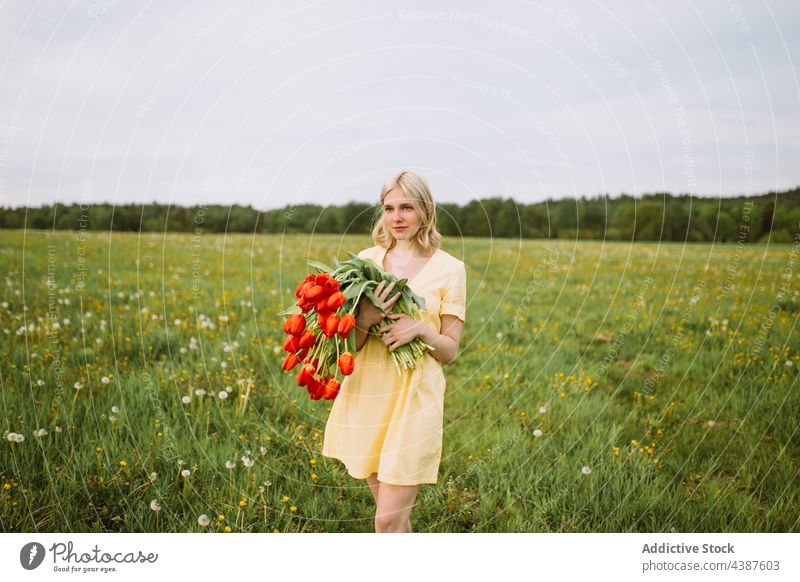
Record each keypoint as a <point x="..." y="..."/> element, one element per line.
<point x="293" y="310"/>
<point x="321" y="267"/>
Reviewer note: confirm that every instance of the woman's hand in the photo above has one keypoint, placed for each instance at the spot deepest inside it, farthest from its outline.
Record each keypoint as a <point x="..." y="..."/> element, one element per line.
<point x="368" y="314"/>
<point x="401" y="331"/>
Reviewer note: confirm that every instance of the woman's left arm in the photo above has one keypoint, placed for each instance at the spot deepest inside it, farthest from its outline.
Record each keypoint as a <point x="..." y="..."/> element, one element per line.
<point x="447" y="341"/>
<point x="404" y="329"/>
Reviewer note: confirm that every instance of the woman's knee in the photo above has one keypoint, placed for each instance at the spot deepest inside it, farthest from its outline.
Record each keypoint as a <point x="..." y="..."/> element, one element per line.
<point x="391" y="522"/>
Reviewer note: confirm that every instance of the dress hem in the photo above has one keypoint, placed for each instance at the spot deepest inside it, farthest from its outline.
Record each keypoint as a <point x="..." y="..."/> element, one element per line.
<point x="390" y="480"/>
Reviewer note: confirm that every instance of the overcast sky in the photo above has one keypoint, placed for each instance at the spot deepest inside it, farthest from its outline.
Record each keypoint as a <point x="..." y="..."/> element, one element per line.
<point x="277" y="103"/>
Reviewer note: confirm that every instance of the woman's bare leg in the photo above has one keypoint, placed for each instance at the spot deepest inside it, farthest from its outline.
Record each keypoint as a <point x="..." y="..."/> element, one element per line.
<point x="374" y="484"/>
<point x="394" y="508"/>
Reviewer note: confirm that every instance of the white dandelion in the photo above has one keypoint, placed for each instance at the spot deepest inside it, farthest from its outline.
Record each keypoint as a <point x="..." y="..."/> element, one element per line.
<point x="186" y="399"/>
<point x="40" y="433"/>
<point x="77" y="385"/>
<point x="154" y="505"/>
<point x="115" y="409"/>
<point x="542" y="409"/>
<point x="247" y="461"/>
<point x="153" y="477"/>
<point x="230" y="464"/>
<point x="222" y="395"/>
<point x="203" y="520"/>
<point x="185" y="473"/>
<point x="537" y="433"/>
<point x="586" y="470"/>
<point x="105" y="379"/>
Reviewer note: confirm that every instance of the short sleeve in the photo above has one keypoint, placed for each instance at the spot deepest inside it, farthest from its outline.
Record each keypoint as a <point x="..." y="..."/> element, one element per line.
<point x="454" y="298"/>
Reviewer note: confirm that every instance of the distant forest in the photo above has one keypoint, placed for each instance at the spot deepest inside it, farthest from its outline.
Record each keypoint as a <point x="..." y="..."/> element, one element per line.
<point x="651" y="217"/>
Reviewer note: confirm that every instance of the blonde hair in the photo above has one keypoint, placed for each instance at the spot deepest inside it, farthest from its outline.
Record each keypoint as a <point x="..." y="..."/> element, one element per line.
<point x="416" y="188"/>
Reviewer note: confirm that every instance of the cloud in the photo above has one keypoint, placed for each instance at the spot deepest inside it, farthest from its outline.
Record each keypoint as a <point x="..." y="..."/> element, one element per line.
<point x="321" y="101"/>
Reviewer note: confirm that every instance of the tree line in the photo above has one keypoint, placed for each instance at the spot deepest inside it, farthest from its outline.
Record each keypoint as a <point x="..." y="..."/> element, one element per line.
<point x="652" y="217"/>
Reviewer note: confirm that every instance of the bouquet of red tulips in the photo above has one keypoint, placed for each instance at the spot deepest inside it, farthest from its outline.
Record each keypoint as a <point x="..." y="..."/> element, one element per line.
<point x="321" y="324"/>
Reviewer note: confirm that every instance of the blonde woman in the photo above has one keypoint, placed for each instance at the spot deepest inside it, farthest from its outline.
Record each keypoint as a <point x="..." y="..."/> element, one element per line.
<point x="387" y="428"/>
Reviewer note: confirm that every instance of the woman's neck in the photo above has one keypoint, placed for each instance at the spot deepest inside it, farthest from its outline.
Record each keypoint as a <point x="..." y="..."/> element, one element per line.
<point x="405" y="248"/>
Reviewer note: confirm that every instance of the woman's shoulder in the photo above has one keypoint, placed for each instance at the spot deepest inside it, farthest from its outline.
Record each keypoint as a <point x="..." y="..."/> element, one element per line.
<point x="451" y="261"/>
<point x="369" y="253"/>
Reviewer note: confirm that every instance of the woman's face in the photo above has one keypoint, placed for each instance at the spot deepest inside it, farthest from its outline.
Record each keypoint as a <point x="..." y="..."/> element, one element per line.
<point x="399" y="215"/>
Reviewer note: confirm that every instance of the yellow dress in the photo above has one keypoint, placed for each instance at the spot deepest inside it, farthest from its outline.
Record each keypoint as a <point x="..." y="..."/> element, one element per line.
<point x="391" y="424"/>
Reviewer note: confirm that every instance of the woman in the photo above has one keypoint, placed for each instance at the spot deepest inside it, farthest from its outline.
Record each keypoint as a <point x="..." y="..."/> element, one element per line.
<point x="387" y="428"/>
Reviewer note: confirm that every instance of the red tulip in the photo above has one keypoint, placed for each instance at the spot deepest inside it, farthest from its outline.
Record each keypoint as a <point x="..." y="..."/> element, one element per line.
<point x="331" y="389"/>
<point x="304" y="304"/>
<point x="315" y="292"/>
<point x="307" y="339"/>
<point x="331" y="325"/>
<point x="336" y="300"/>
<point x="347" y="363"/>
<point x="303" y="287"/>
<point x="290" y="362"/>
<point x="322" y="305"/>
<point x="331" y="285"/>
<point x="346" y="324"/>
<point x="295" y="324"/>
<point x="292" y="343"/>
<point x="322" y="278"/>
<point x="305" y="375"/>
<point x="315" y="388"/>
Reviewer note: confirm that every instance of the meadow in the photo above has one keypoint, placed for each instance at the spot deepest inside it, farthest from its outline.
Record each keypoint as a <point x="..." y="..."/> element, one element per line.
<point x="600" y="387"/>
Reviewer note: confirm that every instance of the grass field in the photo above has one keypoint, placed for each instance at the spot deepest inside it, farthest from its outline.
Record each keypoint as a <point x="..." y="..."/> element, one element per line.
<point x="670" y="371"/>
